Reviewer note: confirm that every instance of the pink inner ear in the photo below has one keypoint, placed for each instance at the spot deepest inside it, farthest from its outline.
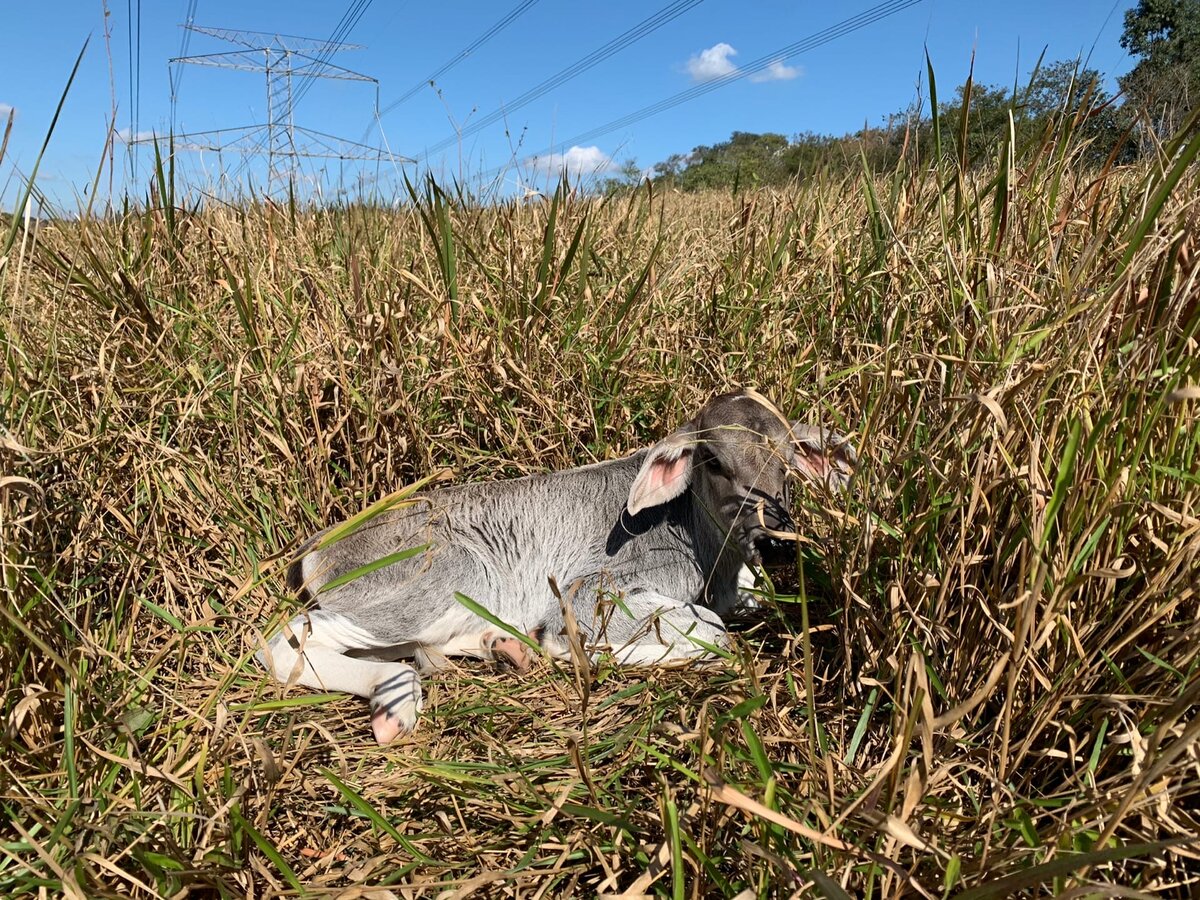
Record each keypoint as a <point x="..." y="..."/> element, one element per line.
<point x="664" y="471"/>
<point x="812" y="463"/>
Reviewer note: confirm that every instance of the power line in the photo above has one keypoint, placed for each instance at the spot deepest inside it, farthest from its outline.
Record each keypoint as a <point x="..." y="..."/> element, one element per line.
<point x="133" y="29"/>
<point x="324" y="53"/>
<point x="511" y="16"/>
<point x="354" y="12"/>
<point x="185" y="41"/>
<point x="129" y="42"/>
<point x="345" y="25"/>
<point x="137" y="109"/>
<point x="349" y="20"/>
<point x="283" y="63"/>
<point x="647" y="26"/>
<point x="833" y="32"/>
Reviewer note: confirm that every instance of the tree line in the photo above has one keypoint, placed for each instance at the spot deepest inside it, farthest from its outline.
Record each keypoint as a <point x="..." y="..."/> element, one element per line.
<point x="1155" y="99"/>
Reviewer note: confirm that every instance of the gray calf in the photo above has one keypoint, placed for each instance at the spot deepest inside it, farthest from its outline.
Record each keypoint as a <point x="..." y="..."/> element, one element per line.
<point x="652" y="546"/>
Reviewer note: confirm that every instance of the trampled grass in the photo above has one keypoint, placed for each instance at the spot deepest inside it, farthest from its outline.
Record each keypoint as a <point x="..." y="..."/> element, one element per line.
<point x="984" y="684"/>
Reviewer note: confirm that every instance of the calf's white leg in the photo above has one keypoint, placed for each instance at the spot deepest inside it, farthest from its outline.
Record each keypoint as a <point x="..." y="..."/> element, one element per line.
<point x="486" y="644"/>
<point x="310" y="650"/>
<point x="659" y="629"/>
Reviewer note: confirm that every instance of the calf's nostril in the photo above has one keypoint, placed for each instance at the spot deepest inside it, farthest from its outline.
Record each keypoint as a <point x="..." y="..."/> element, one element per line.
<point x="775" y="552"/>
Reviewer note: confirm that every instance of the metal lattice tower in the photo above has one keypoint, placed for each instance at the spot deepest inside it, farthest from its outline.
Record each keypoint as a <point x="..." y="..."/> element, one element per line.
<point x="290" y="63"/>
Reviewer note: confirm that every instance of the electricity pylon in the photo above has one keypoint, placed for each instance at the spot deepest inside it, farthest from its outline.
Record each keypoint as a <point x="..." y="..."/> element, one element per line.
<point x="286" y="60"/>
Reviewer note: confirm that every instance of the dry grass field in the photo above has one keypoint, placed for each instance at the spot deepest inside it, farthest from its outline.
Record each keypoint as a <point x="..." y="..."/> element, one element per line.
<point x="981" y="679"/>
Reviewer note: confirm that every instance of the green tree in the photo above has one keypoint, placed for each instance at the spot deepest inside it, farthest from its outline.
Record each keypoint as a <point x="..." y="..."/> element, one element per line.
<point x="670" y="168"/>
<point x="1164" y="86"/>
<point x="744" y="160"/>
<point x="627" y="177"/>
<point x="1062" y="88"/>
<point x="1058" y="97"/>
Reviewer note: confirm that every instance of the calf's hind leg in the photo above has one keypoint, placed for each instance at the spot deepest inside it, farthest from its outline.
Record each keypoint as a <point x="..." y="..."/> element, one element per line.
<point x="646" y="627"/>
<point x="310" y="651"/>
<point x="507" y="651"/>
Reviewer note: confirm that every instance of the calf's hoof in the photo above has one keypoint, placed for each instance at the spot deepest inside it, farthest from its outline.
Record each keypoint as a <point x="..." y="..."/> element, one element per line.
<point x="395" y="704"/>
<point x="510" y="653"/>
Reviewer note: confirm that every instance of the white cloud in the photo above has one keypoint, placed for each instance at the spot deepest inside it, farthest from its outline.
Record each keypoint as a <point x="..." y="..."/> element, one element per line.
<point x="5" y="109"/>
<point x="577" y="161"/>
<point x="777" y="71"/>
<point x="712" y="63"/>
<point x="716" y="62"/>
<point x="126" y="135"/>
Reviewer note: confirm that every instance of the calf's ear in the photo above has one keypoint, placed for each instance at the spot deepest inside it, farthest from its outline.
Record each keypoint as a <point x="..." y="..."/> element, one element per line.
<point x="666" y="471"/>
<point x="824" y="456"/>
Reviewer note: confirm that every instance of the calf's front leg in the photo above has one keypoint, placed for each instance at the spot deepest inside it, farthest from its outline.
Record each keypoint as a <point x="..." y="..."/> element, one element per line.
<point x="310" y="650"/>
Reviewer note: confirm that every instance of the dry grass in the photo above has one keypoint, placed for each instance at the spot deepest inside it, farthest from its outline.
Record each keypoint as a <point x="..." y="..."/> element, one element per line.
<point x="991" y="690"/>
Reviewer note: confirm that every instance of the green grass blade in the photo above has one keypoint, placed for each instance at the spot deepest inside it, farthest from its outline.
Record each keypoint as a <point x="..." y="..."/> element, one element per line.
<point x="356" y="800"/>
<point x="395" y="500"/>
<point x="1067" y="864"/>
<point x="375" y="565"/>
<point x="269" y="850"/>
<point x="1063" y="481"/>
<point x="671" y="825"/>
<point x="488" y="616"/>
<point x="15" y="225"/>
<point x="1159" y="198"/>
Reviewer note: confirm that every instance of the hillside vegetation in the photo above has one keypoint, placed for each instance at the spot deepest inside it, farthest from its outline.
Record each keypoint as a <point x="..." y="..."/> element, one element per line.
<point x="973" y="125"/>
<point x="1153" y="101"/>
<point x="980" y="681"/>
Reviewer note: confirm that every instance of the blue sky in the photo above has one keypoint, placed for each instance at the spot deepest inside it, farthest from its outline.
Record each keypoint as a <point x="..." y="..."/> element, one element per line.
<point x="835" y="88"/>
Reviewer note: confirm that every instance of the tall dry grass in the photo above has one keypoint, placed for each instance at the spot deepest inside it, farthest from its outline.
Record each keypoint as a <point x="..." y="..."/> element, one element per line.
<point x="983" y="683"/>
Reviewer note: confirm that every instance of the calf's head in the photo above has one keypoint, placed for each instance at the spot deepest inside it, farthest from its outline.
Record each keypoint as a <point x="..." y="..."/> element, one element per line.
<point x="739" y="457"/>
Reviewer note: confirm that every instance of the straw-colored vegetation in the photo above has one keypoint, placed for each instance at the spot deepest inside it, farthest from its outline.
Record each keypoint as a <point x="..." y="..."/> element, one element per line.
<point x="985" y="680"/>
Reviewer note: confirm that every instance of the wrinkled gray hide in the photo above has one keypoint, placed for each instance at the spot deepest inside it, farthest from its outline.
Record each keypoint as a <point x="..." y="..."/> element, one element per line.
<point x="648" y="548"/>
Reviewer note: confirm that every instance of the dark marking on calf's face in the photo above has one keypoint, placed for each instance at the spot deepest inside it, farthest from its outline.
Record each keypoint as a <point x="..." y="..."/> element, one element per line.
<point x="744" y="460"/>
<point x="627" y="527"/>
